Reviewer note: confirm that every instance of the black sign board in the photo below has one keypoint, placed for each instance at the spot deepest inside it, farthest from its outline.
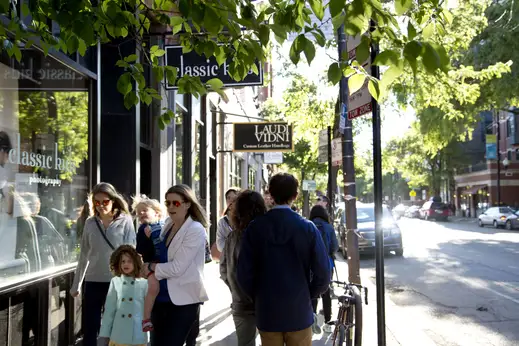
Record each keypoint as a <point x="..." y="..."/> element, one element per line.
<point x="199" y="66"/>
<point x="37" y="72"/>
<point x="263" y="137"/>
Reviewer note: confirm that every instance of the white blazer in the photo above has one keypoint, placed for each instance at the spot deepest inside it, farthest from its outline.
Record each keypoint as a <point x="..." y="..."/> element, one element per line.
<point x="185" y="267"/>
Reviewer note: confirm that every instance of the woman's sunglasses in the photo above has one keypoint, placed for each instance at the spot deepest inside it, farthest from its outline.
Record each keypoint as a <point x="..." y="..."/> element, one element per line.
<point x="176" y="204"/>
<point x="104" y="203"/>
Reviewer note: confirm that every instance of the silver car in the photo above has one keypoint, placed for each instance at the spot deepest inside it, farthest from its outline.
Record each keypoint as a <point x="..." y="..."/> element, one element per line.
<point x="499" y="217"/>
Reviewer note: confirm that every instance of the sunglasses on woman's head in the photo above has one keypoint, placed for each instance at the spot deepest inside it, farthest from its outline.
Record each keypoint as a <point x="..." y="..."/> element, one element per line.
<point x="104" y="202"/>
<point x="176" y="204"/>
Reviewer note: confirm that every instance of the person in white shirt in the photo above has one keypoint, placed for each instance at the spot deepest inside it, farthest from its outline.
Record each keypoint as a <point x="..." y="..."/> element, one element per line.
<point x="223" y="228"/>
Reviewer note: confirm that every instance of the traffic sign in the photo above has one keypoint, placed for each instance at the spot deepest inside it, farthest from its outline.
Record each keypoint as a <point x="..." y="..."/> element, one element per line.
<point x="323" y="146"/>
<point x="309" y="185"/>
<point x="359" y="103"/>
<point x="412" y="193"/>
<point x="336" y="151"/>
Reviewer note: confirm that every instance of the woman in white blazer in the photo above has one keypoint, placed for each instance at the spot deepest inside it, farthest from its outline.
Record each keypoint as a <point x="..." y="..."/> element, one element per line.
<point x="181" y="270"/>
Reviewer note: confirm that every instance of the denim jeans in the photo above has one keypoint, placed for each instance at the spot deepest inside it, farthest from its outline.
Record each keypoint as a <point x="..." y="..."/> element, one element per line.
<point x="93" y="303"/>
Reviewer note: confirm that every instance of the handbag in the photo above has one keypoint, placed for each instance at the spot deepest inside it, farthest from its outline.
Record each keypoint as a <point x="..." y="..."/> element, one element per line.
<point x="103" y="234"/>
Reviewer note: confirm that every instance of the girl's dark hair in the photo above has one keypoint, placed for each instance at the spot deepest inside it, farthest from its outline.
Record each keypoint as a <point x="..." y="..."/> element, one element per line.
<point x="119" y="204"/>
<point x="117" y="256"/>
<point x="247" y="206"/>
<point x="318" y="211"/>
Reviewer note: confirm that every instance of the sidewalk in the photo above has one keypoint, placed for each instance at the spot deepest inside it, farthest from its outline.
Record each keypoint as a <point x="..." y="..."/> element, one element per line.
<point x="217" y="327"/>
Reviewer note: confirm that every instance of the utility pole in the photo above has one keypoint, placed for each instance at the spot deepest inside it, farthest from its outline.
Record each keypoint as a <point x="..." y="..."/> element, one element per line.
<point x="377" y="182"/>
<point x="498" y="156"/>
<point x="331" y="196"/>
<point x="348" y="169"/>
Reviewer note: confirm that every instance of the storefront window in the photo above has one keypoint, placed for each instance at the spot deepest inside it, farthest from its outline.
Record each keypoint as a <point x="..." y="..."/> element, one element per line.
<point x="43" y="165"/>
<point x="236" y="171"/>
<point x="252" y="179"/>
<point x="198" y="145"/>
<point x="179" y="131"/>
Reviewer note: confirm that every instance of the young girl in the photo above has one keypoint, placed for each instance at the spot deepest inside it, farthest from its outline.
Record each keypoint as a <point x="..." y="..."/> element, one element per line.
<point x="122" y="317"/>
<point x="149" y="242"/>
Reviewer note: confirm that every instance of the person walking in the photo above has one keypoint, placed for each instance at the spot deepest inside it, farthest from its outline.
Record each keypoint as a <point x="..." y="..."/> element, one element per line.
<point x="247" y="206"/>
<point x="282" y="266"/>
<point x="182" y="260"/>
<point x="223" y="228"/>
<point x="124" y="305"/>
<point x="110" y="227"/>
<point x="319" y="216"/>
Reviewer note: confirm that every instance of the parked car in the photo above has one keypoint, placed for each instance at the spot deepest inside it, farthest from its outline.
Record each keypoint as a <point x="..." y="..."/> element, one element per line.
<point x="399" y="211"/>
<point x="499" y="217"/>
<point x="434" y="210"/>
<point x="366" y="227"/>
<point x="413" y="212"/>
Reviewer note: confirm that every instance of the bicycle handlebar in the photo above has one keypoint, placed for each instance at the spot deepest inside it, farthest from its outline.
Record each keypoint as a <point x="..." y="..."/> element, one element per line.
<point x="360" y="287"/>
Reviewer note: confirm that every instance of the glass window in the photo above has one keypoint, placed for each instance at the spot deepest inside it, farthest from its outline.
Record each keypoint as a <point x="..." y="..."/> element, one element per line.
<point x="198" y="145"/>
<point x="235" y="171"/>
<point x="252" y="179"/>
<point x="43" y="165"/>
<point x="179" y="135"/>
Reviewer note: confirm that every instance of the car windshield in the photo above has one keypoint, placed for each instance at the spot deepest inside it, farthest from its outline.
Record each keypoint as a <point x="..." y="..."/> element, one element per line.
<point x="368" y="214"/>
<point x="437" y="205"/>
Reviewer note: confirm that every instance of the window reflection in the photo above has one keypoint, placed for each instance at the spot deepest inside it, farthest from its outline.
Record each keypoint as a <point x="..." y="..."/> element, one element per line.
<point x="43" y="165"/>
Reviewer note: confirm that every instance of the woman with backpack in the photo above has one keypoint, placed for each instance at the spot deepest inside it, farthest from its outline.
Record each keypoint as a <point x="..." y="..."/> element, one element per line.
<point x="319" y="216"/>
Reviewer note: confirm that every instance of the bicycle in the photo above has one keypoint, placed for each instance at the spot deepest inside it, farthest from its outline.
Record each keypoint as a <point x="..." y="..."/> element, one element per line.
<point x="350" y="315"/>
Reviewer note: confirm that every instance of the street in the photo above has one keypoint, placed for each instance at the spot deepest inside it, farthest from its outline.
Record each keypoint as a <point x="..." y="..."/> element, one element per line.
<point x="457" y="284"/>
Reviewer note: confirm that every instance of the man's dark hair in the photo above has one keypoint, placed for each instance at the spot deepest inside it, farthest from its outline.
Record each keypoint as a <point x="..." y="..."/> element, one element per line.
<point x="318" y="211"/>
<point x="5" y="142"/>
<point x="283" y="188"/>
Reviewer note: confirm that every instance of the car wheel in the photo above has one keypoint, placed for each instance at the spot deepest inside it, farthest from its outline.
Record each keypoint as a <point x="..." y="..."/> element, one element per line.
<point x="399" y="252"/>
<point x="480" y="223"/>
<point x="495" y="224"/>
<point x="508" y="225"/>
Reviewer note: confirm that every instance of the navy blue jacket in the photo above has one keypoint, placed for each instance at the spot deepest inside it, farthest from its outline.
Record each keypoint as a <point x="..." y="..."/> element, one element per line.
<point x="331" y="237"/>
<point x="282" y="265"/>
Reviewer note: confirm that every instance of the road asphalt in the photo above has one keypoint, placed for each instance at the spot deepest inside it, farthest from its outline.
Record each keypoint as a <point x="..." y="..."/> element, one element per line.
<point x="457" y="284"/>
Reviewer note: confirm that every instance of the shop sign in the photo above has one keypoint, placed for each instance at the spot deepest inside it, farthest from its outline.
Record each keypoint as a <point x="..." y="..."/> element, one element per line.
<point x="200" y="66"/>
<point x="491" y="147"/>
<point x="309" y="185"/>
<point x="263" y="137"/>
<point x="336" y="151"/>
<point x="273" y="158"/>
<point x="37" y="72"/>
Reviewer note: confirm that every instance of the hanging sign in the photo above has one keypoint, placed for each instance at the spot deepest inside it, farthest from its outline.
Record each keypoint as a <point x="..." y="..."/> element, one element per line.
<point x="206" y="68"/>
<point x="263" y="137"/>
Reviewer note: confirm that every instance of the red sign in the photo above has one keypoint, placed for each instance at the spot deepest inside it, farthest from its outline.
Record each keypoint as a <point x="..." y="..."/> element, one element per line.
<point x="357" y="112"/>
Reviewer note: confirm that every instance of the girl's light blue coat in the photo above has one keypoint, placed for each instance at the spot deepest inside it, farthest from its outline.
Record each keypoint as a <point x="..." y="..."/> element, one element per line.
<point x="124" y="308"/>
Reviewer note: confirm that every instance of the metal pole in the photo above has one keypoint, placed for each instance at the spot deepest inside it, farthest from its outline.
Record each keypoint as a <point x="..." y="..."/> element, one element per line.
<point x="331" y="198"/>
<point x="498" y="156"/>
<point x="379" y="233"/>
<point x="348" y="169"/>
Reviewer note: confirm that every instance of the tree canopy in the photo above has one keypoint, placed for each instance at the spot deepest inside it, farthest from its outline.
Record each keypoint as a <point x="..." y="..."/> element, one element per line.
<point x="239" y="31"/>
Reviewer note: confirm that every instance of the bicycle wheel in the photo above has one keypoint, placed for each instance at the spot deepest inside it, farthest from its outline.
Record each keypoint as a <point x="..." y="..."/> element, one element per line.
<point x="350" y="323"/>
<point x="358" y="316"/>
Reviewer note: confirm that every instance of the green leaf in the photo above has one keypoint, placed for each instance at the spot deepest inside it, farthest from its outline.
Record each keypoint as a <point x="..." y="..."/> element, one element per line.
<point x="159" y="52"/>
<point x="25" y="10"/>
<point x="402" y="6"/>
<point x="387" y="58"/>
<point x="431" y="59"/>
<point x="336" y="7"/>
<point x="264" y="34"/>
<point x="428" y="31"/>
<point x="131" y="58"/>
<point x="17" y="52"/>
<point x="215" y="84"/>
<point x="413" y="50"/>
<point x="220" y="56"/>
<point x="171" y="74"/>
<point x="158" y="72"/>
<point x="362" y="51"/>
<point x="447" y="15"/>
<point x="444" y="57"/>
<point x="317" y="7"/>
<point x="279" y="30"/>
<point x="391" y="74"/>
<point x="296" y="48"/>
<point x="212" y="20"/>
<point x="374" y="88"/>
<point x="309" y="50"/>
<point x="411" y="31"/>
<point x="356" y="82"/>
<point x="82" y="47"/>
<point x="321" y="41"/>
<point x="124" y="85"/>
<point x="162" y="124"/>
<point x="72" y="44"/>
<point x="334" y="73"/>
<point x="176" y="20"/>
<point x="130" y="99"/>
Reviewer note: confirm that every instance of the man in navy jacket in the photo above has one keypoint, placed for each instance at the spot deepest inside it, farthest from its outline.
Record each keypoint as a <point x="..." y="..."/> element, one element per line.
<point x="282" y="266"/>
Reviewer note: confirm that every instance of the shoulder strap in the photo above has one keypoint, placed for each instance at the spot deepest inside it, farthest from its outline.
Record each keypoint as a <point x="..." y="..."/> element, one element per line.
<point x="103" y="234"/>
